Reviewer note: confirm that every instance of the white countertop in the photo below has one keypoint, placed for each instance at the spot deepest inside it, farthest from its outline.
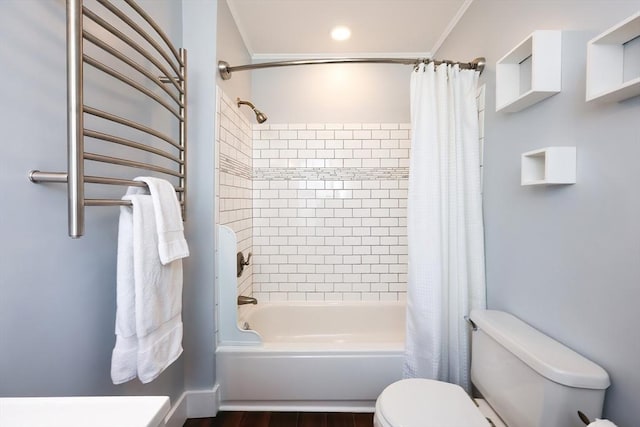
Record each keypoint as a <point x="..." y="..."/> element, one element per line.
<point x="109" y="411"/>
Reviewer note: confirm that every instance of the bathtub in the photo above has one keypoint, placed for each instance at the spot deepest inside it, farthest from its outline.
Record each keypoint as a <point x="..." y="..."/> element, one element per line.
<point x="313" y="356"/>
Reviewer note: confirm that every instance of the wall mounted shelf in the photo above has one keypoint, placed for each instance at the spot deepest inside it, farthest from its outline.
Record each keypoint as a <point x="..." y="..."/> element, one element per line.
<point x="551" y="165"/>
<point x="612" y="73"/>
<point x="529" y="73"/>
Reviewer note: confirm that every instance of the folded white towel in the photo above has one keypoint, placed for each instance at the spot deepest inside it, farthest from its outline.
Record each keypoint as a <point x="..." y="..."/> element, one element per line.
<point x="124" y="358"/>
<point x="149" y="297"/>
<point x="171" y="242"/>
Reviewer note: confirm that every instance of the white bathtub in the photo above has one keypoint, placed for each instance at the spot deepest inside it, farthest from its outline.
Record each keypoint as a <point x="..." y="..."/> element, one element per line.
<point x="313" y="356"/>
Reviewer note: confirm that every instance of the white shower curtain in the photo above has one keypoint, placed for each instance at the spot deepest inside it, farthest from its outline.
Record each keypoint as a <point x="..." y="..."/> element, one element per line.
<point x="444" y="223"/>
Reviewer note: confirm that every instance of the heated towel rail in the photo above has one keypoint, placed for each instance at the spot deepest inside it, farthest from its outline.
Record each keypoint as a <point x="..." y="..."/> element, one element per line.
<point x="124" y="49"/>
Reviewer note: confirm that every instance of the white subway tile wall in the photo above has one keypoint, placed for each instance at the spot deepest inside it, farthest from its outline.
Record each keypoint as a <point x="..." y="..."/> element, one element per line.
<point x="329" y="211"/>
<point x="234" y="179"/>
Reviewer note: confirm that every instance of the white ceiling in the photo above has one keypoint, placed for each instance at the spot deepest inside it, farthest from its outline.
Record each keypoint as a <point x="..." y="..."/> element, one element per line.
<point x="300" y="28"/>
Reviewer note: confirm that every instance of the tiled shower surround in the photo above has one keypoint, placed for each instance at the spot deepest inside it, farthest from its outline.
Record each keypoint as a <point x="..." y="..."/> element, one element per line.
<point x="321" y="206"/>
<point x="329" y="211"/>
<point x="233" y="178"/>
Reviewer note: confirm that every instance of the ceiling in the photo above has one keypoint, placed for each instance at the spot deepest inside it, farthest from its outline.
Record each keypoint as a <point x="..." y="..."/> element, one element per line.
<point x="300" y="28"/>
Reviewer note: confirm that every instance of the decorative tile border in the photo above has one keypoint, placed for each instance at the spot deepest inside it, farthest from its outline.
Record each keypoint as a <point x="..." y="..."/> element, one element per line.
<point x="330" y="174"/>
<point x="235" y="167"/>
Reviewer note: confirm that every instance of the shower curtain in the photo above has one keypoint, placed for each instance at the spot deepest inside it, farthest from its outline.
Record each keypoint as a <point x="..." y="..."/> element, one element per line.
<point x="444" y="223"/>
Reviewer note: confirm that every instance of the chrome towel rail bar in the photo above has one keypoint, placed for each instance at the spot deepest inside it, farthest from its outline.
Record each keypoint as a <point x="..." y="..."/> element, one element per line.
<point x="163" y="80"/>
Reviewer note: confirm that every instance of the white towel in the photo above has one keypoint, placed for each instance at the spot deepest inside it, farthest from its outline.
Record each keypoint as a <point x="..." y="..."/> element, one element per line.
<point x="171" y="242"/>
<point x="149" y="297"/>
<point x="124" y="358"/>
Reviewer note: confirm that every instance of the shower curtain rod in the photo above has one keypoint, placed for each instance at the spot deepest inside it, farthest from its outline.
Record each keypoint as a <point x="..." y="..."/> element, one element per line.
<point x="226" y="70"/>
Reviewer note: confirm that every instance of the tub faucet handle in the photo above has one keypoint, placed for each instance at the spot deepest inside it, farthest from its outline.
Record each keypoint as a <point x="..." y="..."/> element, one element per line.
<point x="241" y="262"/>
<point x="246" y="261"/>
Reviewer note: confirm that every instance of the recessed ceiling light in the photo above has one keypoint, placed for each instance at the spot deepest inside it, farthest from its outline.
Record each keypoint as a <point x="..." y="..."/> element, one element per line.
<point x="340" y="33"/>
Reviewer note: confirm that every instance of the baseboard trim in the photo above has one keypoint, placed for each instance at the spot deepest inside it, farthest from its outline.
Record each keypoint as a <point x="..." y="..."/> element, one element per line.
<point x="299" y="406"/>
<point x="203" y="403"/>
<point x="194" y="404"/>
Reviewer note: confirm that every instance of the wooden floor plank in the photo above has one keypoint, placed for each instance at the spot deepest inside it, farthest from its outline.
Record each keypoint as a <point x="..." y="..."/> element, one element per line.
<point x="230" y="419"/>
<point x="200" y="422"/>
<point x="255" y="419"/>
<point x="339" y="419"/>
<point x="283" y="419"/>
<point x="312" y="419"/>
<point x="222" y="419"/>
<point x="363" y="420"/>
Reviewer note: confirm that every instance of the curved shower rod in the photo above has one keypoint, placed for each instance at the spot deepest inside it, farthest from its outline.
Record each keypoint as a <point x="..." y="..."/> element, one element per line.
<point x="226" y="70"/>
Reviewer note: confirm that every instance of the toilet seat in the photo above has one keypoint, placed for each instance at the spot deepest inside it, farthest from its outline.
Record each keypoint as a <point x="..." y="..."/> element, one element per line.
<point x="420" y="402"/>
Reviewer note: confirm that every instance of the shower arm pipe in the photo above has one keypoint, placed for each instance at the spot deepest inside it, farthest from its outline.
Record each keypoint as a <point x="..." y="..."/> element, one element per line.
<point x="226" y="70"/>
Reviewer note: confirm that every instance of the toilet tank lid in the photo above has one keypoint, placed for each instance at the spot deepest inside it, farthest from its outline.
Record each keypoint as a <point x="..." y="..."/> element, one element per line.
<point x="543" y="354"/>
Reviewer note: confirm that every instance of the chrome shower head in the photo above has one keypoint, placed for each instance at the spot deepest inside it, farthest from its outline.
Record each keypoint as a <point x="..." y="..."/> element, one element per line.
<point x="260" y="116"/>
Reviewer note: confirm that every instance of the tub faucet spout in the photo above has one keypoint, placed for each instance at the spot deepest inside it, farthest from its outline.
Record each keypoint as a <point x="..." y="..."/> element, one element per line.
<point x="242" y="300"/>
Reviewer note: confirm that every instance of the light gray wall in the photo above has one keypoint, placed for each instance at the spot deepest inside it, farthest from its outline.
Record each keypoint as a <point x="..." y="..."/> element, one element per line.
<point x="209" y="33"/>
<point x="565" y="258"/>
<point x="57" y="295"/>
<point x="231" y="48"/>
<point x="337" y="93"/>
<point x="199" y="35"/>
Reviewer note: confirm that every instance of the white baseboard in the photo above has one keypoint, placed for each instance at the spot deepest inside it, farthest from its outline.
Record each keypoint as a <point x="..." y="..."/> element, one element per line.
<point x="203" y="403"/>
<point x="300" y="406"/>
<point x="194" y="404"/>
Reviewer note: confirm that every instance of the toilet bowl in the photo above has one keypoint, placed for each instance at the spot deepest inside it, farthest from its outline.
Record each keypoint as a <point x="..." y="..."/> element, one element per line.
<point x="527" y="378"/>
<point x="425" y="403"/>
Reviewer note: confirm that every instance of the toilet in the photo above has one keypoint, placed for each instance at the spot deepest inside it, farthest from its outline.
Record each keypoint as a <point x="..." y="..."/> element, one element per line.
<point x="527" y="379"/>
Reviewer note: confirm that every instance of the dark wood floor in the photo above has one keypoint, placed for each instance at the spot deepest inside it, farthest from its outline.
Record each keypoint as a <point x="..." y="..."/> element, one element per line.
<point x="283" y="419"/>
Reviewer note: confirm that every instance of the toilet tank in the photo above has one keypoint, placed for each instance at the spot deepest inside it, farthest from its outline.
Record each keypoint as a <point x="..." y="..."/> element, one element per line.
<point x="530" y="379"/>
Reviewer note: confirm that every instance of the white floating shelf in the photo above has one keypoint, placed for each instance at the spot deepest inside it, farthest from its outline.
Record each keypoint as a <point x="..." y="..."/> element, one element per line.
<point x="551" y="165"/>
<point x="531" y="72"/>
<point x="606" y="57"/>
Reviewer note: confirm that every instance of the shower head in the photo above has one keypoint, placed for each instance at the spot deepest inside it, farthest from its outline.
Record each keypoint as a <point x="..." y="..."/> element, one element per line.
<point x="260" y="116"/>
